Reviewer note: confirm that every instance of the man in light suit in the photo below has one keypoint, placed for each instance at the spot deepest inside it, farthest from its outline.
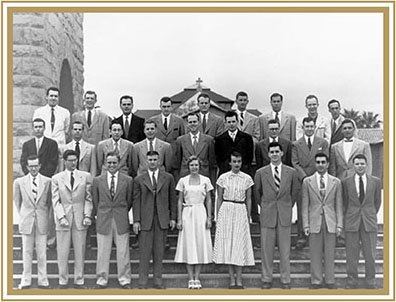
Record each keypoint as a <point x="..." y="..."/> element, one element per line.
<point x="362" y="201"/>
<point x="276" y="187"/>
<point x="322" y="214"/>
<point x="124" y="148"/>
<point x="198" y="144"/>
<point x="85" y="151"/>
<point x="56" y="117"/>
<point x="72" y="202"/>
<point x="262" y="157"/>
<point x="112" y="198"/>
<point x="322" y="124"/>
<point x="286" y="121"/>
<point x="248" y="122"/>
<point x="342" y="153"/>
<point x="32" y="198"/>
<point x="96" y="122"/>
<point x="154" y="211"/>
<point x="211" y="124"/>
<point x="151" y="143"/>
<point x="132" y="125"/>
<point x="169" y="125"/>
<point x="335" y="122"/>
<point x="303" y="160"/>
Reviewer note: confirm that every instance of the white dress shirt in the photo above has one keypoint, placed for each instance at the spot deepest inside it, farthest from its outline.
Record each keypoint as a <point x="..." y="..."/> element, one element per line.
<point x="325" y="178"/>
<point x="115" y="180"/>
<point x="154" y="143"/>
<point x="364" y="178"/>
<point x="347" y="149"/>
<point x="155" y="173"/>
<point x="192" y="137"/>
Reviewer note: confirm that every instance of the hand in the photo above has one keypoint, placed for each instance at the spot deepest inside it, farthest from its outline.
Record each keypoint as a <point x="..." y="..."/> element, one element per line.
<point x="306" y="232"/>
<point x="172" y="224"/>
<point x="64" y="222"/>
<point x="136" y="227"/>
<point x="87" y="221"/>
<point x="338" y="232"/>
<point x="179" y="225"/>
<point x="208" y="223"/>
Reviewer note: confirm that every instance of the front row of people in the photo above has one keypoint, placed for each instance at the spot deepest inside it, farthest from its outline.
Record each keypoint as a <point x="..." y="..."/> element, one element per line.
<point x="329" y="207"/>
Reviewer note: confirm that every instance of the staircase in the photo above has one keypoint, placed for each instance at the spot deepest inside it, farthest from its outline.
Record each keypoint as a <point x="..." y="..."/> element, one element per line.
<point x="213" y="276"/>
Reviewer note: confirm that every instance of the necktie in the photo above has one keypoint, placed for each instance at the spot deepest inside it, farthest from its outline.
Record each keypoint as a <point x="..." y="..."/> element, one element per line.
<point x="241" y="119"/>
<point x="52" y="119"/>
<point x="204" y="122"/>
<point x="126" y="126"/>
<point x="154" y="183"/>
<point x="151" y="146"/>
<point x="195" y="143"/>
<point x="71" y="180"/>
<point x="116" y="147"/>
<point x="78" y="153"/>
<point x="361" y="189"/>
<point x="322" y="187"/>
<point x="89" y="121"/>
<point x="277" y="117"/>
<point x="309" y="144"/>
<point x="112" y="187"/>
<point x="333" y="127"/>
<point x="166" y="123"/>
<point x="34" y="189"/>
<point x="277" y="178"/>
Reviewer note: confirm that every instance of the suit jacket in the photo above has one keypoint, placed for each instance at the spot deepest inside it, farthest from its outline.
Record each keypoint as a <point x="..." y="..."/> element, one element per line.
<point x="136" y="129"/>
<point x="99" y="129"/>
<point x="30" y="211"/>
<point x="322" y="128"/>
<point x="262" y="158"/>
<point x="75" y="202"/>
<point x="144" y="199"/>
<point x="139" y="160"/>
<point x="214" y="125"/>
<point x="48" y="155"/>
<point x="343" y="168"/>
<point x="126" y="152"/>
<point x="287" y="127"/>
<point x="107" y="208"/>
<point x="205" y="152"/>
<point x="250" y="126"/>
<point x="175" y="128"/>
<point x="337" y="135"/>
<point x="355" y="212"/>
<point x="313" y="207"/>
<point x="87" y="160"/>
<point x="303" y="160"/>
<point x="274" y="203"/>
<point x="224" y="145"/>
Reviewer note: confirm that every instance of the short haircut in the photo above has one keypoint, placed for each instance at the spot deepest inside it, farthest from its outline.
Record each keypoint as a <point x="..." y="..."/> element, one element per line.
<point x="321" y="154"/>
<point x="166" y="99"/>
<point x="192" y="158"/>
<point x="274" y="95"/>
<point x="150" y="122"/>
<point x="348" y="121"/>
<point x="359" y="156"/>
<point x="273" y="145"/>
<point x="152" y="153"/>
<point x="113" y="153"/>
<point x="273" y="121"/>
<point x="38" y="120"/>
<point x="235" y="154"/>
<point x="308" y="119"/>
<point x="33" y="157"/>
<point x="115" y="122"/>
<point x="203" y="95"/>
<point x="332" y="102"/>
<point x="68" y="153"/>
<point x="230" y="113"/>
<point x="52" y="89"/>
<point x="127" y="97"/>
<point x="90" y="92"/>
<point x="193" y="114"/>
<point x="311" y="96"/>
<point x="78" y="123"/>
<point x="241" y="93"/>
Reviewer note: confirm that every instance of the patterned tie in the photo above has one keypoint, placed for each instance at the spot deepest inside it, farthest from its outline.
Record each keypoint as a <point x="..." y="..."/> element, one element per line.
<point x="309" y="144"/>
<point x="204" y="122"/>
<point x="126" y="126"/>
<point x="241" y="119"/>
<point x="34" y="189"/>
<point x="116" y="147"/>
<point x="195" y="143"/>
<point x="151" y="146"/>
<point x="361" y="189"/>
<point x="71" y="180"/>
<point x="277" y="178"/>
<point x="166" y="123"/>
<point x="333" y="127"/>
<point x="78" y="153"/>
<point x="322" y="187"/>
<point x="89" y="121"/>
<point x="112" y="187"/>
<point x="52" y="119"/>
<point x="277" y="117"/>
<point x="154" y="183"/>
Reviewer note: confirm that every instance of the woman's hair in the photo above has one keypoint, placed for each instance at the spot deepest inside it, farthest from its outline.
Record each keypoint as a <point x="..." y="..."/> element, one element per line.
<point x="192" y="158"/>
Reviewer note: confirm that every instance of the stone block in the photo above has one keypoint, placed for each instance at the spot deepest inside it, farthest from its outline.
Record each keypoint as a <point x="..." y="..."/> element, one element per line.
<point x="19" y="140"/>
<point x="28" y="51"/>
<point x="25" y="20"/>
<point x="34" y="96"/>
<point x="21" y="80"/>
<point x="23" y="113"/>
<point x="29" y="36"/>
<point x="22" y="129"/>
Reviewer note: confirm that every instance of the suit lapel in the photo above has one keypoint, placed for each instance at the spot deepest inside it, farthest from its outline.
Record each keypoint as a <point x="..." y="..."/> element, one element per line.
<point x="200" y="144"/>
<point x="147" y="181"/>
<point x="330" y="186"/>
<point x="369" y="188"/>
<point x="284" y="176"/>
<point x="341" y="153"/>
<point x="314" y="184"/>
<point x="304" y="146"/>
<point x="160" y="181"/>
<point x="28" y="188"/>
<point x="188" y="144"/>
<point x="66" y="180"/>
<point x="270" y="177"/>
<point x="42" y="147"/>
<point x="123" y="147"/>
<point x="105" y="184"/>
<point x="120" y="183"/>
<point x="283" y="121"/>
<point x="40" y="187"/>
<point x="209" y="123"/>
<point x="355" y="148"/>
<point x="77" y="179"/>
<point x="84" y="150"/>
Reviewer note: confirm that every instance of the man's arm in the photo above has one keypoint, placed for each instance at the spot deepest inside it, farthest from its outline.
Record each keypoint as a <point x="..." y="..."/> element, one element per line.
<point x="17" y="196"/>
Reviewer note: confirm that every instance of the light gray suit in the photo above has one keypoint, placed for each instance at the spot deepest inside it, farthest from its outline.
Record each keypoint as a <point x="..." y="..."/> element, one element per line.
<point x="99" y="129"/>
<point x="175" y="128"/>
<point x="87" y="160"/>
<point x="214" y="125"/>
<point x="287" y="127"/>
<point x="322" y="128"/>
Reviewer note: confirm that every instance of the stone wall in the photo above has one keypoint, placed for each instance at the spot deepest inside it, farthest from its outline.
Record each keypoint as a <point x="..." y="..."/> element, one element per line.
<point x="42" y="42"/>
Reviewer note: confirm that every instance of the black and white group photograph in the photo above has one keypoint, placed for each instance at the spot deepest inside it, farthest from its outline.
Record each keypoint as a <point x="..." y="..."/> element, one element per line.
<point x="212" y="150"/>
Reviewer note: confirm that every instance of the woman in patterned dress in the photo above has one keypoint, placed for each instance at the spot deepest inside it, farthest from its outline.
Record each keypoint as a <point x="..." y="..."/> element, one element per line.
<point x="233" y="244"/>
<point x="194" y="245"/>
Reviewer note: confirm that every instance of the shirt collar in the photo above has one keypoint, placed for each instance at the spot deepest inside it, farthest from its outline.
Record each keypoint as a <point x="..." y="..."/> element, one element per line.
<point x="274" y="113"/>
<point x="234" y="133"/>
<point x="163" y="116"/>
<point x="109" y="175"/>
<point x="364" y="176"/>
<point x="273" y="166"/>
<point x="276" y="139"/>
<point x="192" y="135"/>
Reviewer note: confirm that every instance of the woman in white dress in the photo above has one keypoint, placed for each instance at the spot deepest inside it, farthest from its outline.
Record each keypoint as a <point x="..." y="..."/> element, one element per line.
<point x="233" y="244"/>
<point x="194" y="245"/>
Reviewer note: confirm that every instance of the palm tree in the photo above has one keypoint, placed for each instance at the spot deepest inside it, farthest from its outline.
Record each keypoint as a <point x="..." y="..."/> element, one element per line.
<point x="369" y="120"/>
<point x="353" y="115"/>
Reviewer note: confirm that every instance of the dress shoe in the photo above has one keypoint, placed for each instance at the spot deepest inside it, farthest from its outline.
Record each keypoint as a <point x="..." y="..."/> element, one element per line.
<point x="63" y="286"/>
<point x="44" y="287"/>
<point x="285" y="285"/>
<point x="20" y="286"/>
<point x="79" y="286"/>
<point x="266" y="285"/>
<point x="301" y="243"/>
<point x="126" y="286"/>
<point x="159" y="286"/>
<point x="340" y="242"/>
<point x="315" y="286"/>
<point x="99" y="286"/>
<point x="331" y="286"/>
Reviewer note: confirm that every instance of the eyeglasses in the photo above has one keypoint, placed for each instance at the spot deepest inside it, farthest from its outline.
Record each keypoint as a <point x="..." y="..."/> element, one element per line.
<point x="321" y="162"/>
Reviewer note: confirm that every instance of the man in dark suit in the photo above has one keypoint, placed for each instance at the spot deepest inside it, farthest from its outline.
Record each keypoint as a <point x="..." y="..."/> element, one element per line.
<point x="233" y="140"/>
<point x="275" y="189"/>
<point x="154" y="211"/>
<point x="335" y="122"/>
<point x="362" y="201"/>
<point x="211" y="124"/>
<point x="132" y="125"/>
<point x="44" y="148"/>
<point x="262" y="157"/>
<point x="112" y="199"/>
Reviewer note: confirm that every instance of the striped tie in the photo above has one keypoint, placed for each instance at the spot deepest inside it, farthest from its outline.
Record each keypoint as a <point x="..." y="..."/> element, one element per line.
<point x="34" y="189"/>
<point x="322" y="187"/>
<point x="195" y="143"/>
<point x="277" y="178"/>
<point x="112" y="187"/>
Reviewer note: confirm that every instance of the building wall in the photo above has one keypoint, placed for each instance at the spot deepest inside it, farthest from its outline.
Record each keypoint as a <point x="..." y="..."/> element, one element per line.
<point x="42" y="44"/>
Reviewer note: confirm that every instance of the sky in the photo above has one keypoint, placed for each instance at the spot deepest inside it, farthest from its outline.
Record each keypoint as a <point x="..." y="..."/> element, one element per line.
<point x="331" y="55"/>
